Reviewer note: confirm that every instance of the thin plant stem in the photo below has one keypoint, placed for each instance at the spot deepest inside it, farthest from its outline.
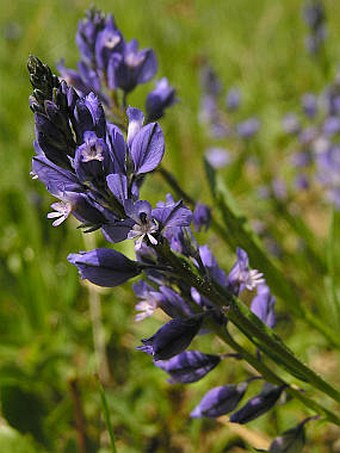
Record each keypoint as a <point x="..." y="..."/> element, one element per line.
<point x="98" y="333"/>
<point x="332" y="249"/>
<point x="282" y="288"/>
<point x="270" y="376"/>
<point x="248" y="323"/>
<point x="78" y="415"/>
<point x="107" y="417"/>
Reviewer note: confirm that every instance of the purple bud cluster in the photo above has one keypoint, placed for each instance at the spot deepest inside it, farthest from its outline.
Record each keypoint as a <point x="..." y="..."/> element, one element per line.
<point x="96" y="171"/>
<point x="315" y="18"/>
<point x="316" y="136"/>
<point x="220" y="116"/>
<point x="168" y="346"/>
<point x="110" y="66"/>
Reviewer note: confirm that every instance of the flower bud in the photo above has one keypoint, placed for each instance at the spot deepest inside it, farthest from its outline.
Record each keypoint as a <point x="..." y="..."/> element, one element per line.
<point x="104" y="267"/>
<point x="258" y="405"/>
<point x="173" y="338"/>
<point x="189" y="366"/>
<point x="220" y="401"/>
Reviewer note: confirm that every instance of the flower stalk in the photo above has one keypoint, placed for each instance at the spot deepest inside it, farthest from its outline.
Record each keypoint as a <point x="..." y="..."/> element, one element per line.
<point x="253" y="328"/>
<point x="243" y="238"/>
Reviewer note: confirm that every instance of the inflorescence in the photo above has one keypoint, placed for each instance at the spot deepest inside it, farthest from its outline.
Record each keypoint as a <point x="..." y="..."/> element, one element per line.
<point x="316" y="140"/>
<point x="95" y="168"/>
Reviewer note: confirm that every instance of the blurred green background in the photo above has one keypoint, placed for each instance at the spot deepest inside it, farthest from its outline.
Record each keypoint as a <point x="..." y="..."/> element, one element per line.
<point x="50" y="399"/>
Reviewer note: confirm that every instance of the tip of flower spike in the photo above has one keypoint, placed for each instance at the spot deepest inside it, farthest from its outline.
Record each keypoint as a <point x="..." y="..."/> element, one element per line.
<point x="42" y="79"/>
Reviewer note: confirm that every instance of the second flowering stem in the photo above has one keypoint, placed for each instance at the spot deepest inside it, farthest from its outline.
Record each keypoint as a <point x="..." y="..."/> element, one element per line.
<point x="251" y="326"/>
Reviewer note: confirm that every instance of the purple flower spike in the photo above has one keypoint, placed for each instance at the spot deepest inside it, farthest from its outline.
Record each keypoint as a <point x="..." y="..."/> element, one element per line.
<point x="147" y="149"/>
<point x="201" y="217"/>
<point x="315" y="18"/>
<point x="210" y="81"/>
<point x="258" y="405"/>
<point x="263" y="305"/>
<point x="87" y="33"/>
<point x="189" y="366"/>
<point x="104" y="267"/>
<point x="173" y="338"/>
<point x="220" y="401"/>
<point x="162" y="97"/>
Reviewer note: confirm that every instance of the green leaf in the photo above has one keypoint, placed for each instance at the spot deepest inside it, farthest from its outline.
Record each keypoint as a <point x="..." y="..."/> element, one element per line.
<point x="236" y="232"/>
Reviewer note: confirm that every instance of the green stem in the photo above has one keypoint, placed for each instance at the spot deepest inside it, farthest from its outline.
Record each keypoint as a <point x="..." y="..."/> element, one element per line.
<point x="235" y="236"/>
<point x="280" y="286"/>
<point x="270" y="376"/>
<point x="332" y="258"/>
<point x="272" y="345"/>
<point x="107" y="417"/>
<point x="98" y="332"/>
<point x="249" y="324"/>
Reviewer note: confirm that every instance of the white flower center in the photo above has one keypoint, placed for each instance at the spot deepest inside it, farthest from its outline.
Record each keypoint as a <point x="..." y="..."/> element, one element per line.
<point x="112" y="41"/>
<point x="62" y="209"/>
<point x="92" y="151"/>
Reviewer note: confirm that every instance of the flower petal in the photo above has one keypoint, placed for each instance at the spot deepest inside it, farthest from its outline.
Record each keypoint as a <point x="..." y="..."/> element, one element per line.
<point x="189" y="366"/>
<point x="104" y="267"/>
<point x="147" y="148"/>
<point x="220" y="401"/>
<point x="173" y="338"/>
<point x="258" y="405"/>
